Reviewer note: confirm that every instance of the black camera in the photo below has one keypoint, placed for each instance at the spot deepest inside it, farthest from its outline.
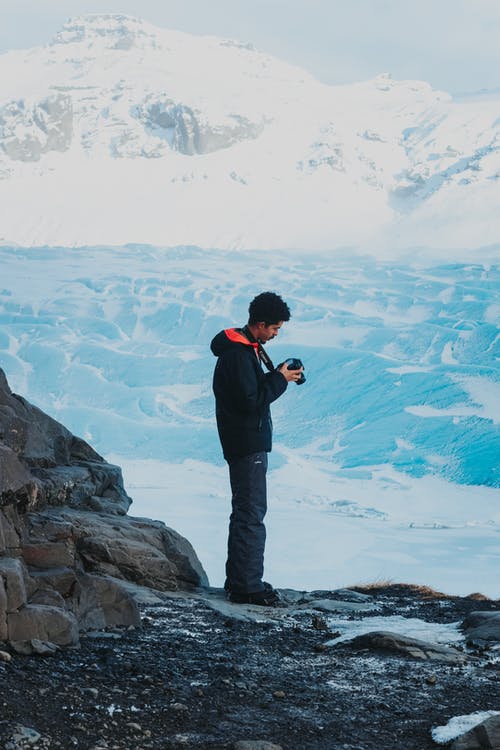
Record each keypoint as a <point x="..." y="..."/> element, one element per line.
<point x="295" y="364"/>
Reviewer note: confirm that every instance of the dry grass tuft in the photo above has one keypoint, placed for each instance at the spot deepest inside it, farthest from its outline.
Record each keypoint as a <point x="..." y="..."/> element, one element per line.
<point x="478" y="597"/>
<point x="389" y="587"/>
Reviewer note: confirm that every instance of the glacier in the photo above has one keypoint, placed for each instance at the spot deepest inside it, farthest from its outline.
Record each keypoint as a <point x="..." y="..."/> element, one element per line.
<point x="385" y="462"/>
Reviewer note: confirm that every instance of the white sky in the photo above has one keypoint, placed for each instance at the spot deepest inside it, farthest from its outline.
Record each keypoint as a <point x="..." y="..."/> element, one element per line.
<point x="453" y="44"/>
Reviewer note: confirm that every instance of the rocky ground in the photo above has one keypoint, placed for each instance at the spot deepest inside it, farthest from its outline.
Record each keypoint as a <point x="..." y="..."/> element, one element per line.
<point x="201" y="673"/>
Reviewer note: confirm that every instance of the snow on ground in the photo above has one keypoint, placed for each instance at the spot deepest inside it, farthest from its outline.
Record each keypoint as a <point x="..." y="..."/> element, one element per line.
<point x="385" y="463"/>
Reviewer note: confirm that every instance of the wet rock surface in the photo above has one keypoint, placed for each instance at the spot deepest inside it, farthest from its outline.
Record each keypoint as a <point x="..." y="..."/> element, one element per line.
<point x="195" y="676"/>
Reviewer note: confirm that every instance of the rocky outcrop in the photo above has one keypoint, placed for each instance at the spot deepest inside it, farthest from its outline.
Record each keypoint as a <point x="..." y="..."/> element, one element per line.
<point x="65" y="541"/>
<point x="30" y="129"/>
<point x="189" y="130"/>
<point x="42" y="463"/>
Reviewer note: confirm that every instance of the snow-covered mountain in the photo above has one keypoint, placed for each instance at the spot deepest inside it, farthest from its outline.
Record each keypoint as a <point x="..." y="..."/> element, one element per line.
<point x="118" y="131"/>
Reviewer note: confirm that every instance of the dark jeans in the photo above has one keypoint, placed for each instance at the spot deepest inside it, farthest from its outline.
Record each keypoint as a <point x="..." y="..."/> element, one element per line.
<point x="247" y="533"/>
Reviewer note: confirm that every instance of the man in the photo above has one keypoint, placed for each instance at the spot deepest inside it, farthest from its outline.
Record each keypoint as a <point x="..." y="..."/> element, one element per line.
<point x="243" y="394"/>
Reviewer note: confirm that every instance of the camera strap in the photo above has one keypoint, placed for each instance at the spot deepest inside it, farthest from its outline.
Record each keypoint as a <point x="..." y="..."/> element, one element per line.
<point x="263" y="355"/>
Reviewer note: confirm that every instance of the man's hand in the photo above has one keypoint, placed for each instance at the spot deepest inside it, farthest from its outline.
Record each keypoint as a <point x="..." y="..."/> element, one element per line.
<point x="290" y="375"/>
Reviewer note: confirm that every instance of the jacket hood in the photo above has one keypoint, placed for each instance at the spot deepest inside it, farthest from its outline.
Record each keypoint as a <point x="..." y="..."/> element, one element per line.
<point x="228" y="338"/>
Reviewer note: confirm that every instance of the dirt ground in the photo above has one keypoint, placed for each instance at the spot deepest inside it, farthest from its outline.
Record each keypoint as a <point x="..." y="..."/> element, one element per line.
<point x="192" y="677"/>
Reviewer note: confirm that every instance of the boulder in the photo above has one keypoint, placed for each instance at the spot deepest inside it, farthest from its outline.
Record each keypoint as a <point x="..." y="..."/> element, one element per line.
<point x="485" y="736"/>
<point x="34" y="646"/>
<point x="396" y="643"/>
<point x="136" y="549"/>
<point x="14" y="575"/>
<point x="482" y="628"/>
<point x="101" y="602"/>
<point x="44" y="623"/>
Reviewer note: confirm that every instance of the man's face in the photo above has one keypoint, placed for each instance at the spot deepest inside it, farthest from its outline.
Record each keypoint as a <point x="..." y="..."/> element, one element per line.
<point x="266" y="333"/>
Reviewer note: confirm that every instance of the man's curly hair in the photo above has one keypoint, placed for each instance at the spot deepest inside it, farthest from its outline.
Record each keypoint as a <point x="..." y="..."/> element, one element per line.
<point x="268" y="307"/>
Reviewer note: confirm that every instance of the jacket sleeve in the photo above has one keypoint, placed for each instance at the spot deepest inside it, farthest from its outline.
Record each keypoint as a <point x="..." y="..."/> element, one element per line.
<point x="252" y="389"/>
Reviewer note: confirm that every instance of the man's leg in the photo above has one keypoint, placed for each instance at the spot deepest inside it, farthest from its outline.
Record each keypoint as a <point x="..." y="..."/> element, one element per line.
<point x="247" y="533"/>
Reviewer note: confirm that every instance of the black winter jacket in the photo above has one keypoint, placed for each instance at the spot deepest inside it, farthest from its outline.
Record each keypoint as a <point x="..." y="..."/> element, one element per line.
<point x="243" y="393"/>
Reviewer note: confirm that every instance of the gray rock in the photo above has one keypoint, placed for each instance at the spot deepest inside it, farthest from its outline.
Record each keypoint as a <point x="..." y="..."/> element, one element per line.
<point x="44" y="648"/>
<point x="43" y="463"/>
<point x="31" y="129"/>
<point x="339" y="605"/>
<point x="101" y="602"/>
<point x="482" y="628"/>
<point x="189" y="131"/>
<point x="23" y="737"/>
<point x="49" y="554"/>
<point x="485" y="736"/>
<point x="43" y="623"/>
<point x="290" y="596"/>
<point x="61" y="580"/>
<point x="48" y="597"/>
<point x="141" y="594"/>
<point x="295" y="603"/>
<point x="136" y="549"/>
<point x="396" y="643"/>
<point x="255" y="745"/>
<point x="14" y="575"/>
<point x="34" y="646"/>
<point x="14" y="479"/>
<point x="244" y="612"/>
<point x="352" y="596"/>
<point x="89" y="485"/>
<point x="9" y="538"/>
